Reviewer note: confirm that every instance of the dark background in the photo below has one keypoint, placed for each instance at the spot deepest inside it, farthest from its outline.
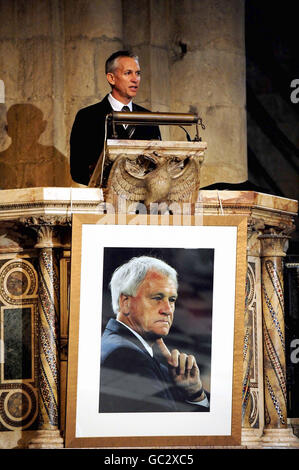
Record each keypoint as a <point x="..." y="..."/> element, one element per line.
<point x="272" y="63"/>
<point x="271" y="41"/>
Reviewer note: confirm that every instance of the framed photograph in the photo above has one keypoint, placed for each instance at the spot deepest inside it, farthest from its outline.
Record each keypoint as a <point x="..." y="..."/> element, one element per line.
<point x="123" y="405"/>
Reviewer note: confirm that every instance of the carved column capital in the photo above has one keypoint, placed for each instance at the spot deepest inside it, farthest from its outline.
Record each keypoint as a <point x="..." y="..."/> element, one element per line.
<point x="274" y="243"/>
<point x="47" y="237"/>
<point x="255" y="225"/>
<point x="59" y="220"/>
<point x="48" y="229"/>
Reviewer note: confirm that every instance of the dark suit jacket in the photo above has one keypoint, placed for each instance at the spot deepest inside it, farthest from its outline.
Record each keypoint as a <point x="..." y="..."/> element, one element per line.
<point x="131" y="380"/>
<point x="88" y="134"/>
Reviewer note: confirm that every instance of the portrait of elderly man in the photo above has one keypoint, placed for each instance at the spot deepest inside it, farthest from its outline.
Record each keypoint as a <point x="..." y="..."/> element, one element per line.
<point x="144" y="291"/>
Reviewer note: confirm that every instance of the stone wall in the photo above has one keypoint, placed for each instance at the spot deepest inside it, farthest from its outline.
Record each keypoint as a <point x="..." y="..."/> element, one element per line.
<point x="52" y="58"/>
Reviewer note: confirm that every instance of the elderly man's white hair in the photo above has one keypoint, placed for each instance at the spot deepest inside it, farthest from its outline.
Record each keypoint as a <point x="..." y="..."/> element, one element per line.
<point x="127" y="278"/>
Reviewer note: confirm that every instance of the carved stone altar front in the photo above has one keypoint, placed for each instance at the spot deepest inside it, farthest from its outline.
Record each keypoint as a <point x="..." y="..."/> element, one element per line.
<point x="35" y="244"/>
<point x="149" y="171"/>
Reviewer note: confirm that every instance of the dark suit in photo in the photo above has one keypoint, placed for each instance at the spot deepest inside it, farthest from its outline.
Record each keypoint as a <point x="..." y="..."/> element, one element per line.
<point x="131" y="380"/>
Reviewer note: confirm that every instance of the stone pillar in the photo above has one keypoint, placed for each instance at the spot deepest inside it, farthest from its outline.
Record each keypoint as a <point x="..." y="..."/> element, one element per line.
<point x="273" y="249"/>
<point x="48" y="434"/>
<point x="207" y="76"/>
<point x="150" y="41"/>
<point x="32" y="147"/>
<point x="93" y="31"/>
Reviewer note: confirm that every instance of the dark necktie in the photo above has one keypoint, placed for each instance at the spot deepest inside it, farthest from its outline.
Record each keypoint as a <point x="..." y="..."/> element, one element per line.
<point x="129" y="129"/>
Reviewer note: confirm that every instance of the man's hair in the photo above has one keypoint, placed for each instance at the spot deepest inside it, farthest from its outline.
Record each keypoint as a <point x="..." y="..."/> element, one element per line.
<point x="111" y="62"/>
<point x="127" y="278"/>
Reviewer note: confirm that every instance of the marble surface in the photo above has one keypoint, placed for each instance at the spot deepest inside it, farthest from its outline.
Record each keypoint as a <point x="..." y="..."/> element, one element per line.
<point x="169" y="148"/>
<point x="250" y="199"/>
<point x="16" y="203"/>
<point x="17" y="332"/>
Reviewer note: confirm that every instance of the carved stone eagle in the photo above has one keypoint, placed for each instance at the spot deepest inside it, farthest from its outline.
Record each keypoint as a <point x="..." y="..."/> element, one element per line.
<point x="151" y="177"/>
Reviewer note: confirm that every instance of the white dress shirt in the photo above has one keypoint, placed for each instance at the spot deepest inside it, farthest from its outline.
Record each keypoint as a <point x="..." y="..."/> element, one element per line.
<point x="117" y="105"/>
<point x="145" y="344"/>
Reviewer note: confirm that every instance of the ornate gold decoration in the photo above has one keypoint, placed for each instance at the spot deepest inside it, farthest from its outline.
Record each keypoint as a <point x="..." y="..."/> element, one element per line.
<point x="18" y="395"/>
<point x="18" y="282"/>
<point x="250" y="392"/>
<point x="18" y="406"/>
<point x="50" y="220"/>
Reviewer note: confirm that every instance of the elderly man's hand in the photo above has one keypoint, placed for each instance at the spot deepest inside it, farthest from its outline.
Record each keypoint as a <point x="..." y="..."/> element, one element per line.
<point x="184" y="371"/>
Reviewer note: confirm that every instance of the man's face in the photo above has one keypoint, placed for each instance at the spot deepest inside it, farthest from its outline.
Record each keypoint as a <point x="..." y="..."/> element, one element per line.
<point x="150" y="312"/>
<point x="125" y="79"/>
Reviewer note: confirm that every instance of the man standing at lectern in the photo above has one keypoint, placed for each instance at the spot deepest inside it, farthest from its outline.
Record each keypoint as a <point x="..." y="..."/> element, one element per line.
<point x="88" y="132"/>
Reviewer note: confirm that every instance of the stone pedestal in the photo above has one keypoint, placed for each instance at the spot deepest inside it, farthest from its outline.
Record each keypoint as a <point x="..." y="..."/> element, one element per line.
<point x="46" y="439"/>
<point x="279" y="438"/>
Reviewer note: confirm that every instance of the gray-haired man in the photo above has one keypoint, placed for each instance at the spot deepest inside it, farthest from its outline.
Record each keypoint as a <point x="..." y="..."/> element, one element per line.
<point x="144" y="292"/>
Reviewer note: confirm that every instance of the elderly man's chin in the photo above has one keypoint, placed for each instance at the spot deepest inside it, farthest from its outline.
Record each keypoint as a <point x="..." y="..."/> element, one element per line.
<point x="152" y="336"/>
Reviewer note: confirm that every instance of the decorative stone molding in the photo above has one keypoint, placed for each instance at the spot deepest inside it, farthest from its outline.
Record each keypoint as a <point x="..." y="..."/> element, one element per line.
<point x="252" y="393"/>
<point x="20" y="204"/>
<point x="47" y="237"/>
<point x="46" y="220"/>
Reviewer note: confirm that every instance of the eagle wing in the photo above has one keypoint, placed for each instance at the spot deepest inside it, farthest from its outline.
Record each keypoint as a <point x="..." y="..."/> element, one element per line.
<point x="124" y="184"/>
<point x="185" y="183"/>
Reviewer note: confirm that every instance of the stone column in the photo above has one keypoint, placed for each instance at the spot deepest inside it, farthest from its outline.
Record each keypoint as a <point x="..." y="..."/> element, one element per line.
<point x="33" y="152"/>
<point x="92" y="32"/>
<point x="48" y="434"/>
<point x="207" y="76"/>
<point x="150" y="41"/>
<point x="273" y="249"/>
